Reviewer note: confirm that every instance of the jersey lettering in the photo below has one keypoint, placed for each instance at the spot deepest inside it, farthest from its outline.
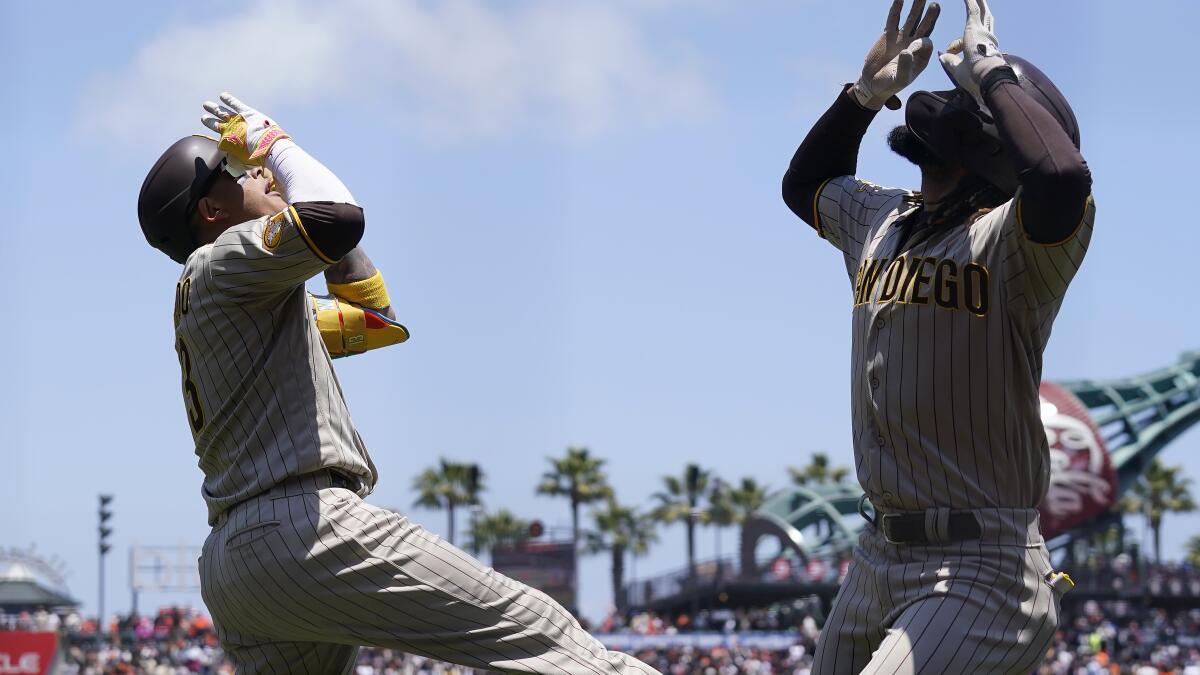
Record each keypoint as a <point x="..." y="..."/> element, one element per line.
<point x="923" y="280"/>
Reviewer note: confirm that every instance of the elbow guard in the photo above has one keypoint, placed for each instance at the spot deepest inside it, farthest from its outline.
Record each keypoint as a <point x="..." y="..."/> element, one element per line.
<point x="348" y="329"/>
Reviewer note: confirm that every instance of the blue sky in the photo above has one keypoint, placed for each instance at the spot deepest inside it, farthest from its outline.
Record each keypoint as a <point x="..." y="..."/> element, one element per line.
<point x="576" y="206"/>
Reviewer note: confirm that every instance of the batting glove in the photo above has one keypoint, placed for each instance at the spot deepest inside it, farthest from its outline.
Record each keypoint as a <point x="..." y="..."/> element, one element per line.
<point x="969" y="59"/>
<point x="246" y="134"/>
<point x="898" y="56"/>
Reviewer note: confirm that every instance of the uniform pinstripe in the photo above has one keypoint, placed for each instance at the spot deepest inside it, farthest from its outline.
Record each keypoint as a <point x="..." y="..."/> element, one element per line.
<point x="297" y="572"/>
<point x="243" y="327"/>
<point x="949" y="327"/>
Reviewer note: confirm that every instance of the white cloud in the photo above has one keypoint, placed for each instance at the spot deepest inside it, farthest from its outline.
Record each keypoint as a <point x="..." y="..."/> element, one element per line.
<point x="448" y="70"/>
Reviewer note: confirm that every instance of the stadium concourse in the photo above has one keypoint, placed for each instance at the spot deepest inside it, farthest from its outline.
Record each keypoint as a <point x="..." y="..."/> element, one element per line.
<point x="1109" y="636"/>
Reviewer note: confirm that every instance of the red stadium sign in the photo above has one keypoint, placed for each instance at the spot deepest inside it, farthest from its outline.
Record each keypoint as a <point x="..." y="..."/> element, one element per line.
<point x="816" y="569"/>
<point x="26" y="653"/>
<point x="781" y="569"/>
<point x="1083" y="483"/>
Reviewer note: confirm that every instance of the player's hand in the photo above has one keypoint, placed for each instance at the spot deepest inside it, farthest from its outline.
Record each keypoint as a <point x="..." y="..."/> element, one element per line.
<point x="246" y="134"/>
<point x="977" y="53"/>
<point x="898" y="57"/>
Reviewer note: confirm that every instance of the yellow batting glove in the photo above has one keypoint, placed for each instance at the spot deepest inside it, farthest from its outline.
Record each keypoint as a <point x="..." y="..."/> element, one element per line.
<point x="246" y="134"/>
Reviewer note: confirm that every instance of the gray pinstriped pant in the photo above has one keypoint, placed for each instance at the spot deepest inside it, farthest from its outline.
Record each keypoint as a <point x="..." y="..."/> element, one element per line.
<point x="972" y="607"/>
<point x="296" y="579"/>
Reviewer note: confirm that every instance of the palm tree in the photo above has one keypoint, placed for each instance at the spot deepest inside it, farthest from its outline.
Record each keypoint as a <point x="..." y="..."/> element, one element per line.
<point x="576" y="476"/>
<point x="1193" y="550"/>
<point x="733" y="504"/>
<point x="1159" y="491"/>
<point x="721" y="511"/>
<point x="681" y="501"/>
<point x="620" y="530"/>
<point x="448" y="486"/>
<point x="501" y="528"/>
<point x="745" y="498"/>
<point x="818" y="472"/>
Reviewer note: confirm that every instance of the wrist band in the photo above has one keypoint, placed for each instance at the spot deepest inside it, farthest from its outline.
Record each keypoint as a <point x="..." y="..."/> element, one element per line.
<point x="997" y="75"/>
<point x="369" y="292"/>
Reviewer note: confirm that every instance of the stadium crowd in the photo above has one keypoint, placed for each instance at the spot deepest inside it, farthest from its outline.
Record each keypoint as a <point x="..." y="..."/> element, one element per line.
<point x="1100" y="638"/>
<point x="1111" y="637"/>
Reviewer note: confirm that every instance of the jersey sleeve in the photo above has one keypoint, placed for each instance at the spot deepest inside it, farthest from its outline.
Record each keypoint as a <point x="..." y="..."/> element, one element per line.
<point x="265" y="257"/>
<point x="846" y="208"/>
<point x="1038" y="274"/>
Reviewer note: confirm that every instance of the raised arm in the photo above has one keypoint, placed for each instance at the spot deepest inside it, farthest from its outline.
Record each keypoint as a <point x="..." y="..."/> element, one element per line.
<point x="333" y="220"/>
<point x="831" y="147"/>
<point x="1053" y="176"/>
<point x="330" y="220"/>
<point x="1055" y="180"/>
<point x="829" y="150"/>
<point x="355" y="278"/>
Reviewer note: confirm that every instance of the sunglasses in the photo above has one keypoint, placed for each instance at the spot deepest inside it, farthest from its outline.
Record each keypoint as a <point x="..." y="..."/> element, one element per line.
<point x="232" y="168"/>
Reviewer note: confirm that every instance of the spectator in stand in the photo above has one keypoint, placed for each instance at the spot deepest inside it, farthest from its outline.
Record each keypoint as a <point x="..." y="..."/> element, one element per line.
<point x="1111" y="637"/>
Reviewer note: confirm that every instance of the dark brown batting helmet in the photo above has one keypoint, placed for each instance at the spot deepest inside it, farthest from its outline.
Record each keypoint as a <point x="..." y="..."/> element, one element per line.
<point x="176" y="182"/>
<point x="956" y="129"/>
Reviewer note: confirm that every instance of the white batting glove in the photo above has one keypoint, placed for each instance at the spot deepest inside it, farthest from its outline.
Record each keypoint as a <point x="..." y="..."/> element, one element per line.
<point x="246" y="134"/>
<point x="977" y="53"/>
<point x="898" y="56"/>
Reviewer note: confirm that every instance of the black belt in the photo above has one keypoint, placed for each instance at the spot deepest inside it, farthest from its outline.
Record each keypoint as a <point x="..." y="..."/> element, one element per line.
<point x="909" y="528"/>
<point x="341" y="480"/>
<point x="337" y="479"/>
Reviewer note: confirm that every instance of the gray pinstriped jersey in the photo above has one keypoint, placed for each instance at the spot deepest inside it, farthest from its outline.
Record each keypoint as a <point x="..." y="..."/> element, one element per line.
<point x="261" y="396"/>
<point x="948" y="335"/>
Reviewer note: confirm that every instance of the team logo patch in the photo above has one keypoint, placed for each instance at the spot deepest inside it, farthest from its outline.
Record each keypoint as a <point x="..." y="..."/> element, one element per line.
<point x="273" y="232"/>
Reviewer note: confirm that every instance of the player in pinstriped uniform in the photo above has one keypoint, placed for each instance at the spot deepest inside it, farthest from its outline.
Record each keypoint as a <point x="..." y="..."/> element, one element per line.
<point x="298" y="570"/>
<point x="954" y="291"/>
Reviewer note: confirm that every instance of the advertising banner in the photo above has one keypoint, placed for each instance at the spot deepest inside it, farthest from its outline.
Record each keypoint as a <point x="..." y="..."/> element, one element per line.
<point x="23" y="653"/>
<point x="1083" y="483"/>
<point x="548" y="567"/>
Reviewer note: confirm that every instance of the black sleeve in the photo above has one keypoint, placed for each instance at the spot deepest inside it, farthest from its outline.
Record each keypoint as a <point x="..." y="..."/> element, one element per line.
<point x="1055" y="181"/>
<point x="333" y="228"/>
<point x="829" y="150"/>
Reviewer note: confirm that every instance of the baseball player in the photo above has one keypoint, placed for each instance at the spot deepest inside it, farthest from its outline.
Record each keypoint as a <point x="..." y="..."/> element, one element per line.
<point x="954" y="291"/>
<point x="298" y="570"/>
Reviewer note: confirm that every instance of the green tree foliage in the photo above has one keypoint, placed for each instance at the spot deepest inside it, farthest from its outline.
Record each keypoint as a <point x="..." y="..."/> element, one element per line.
<point x="818" y="472"/>
<point x="1160" y="490"/>
<point x="448" y="486"/>
<point x="680" y="500"/>
<point x="620" y="530"/>
<point x="1193" y="550"/>
<point x="501" y="528"/>
<point x="733" y="504"/>
<point x="580" y="478"/>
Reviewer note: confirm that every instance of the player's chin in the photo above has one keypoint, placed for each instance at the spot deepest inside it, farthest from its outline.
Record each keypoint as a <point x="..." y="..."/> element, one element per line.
<point x="905" y="143"/>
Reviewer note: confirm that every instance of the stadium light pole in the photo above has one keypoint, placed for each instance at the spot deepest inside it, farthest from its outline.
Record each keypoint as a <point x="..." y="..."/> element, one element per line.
<point x="105" y="513"/>
<point x="692" y="478"/>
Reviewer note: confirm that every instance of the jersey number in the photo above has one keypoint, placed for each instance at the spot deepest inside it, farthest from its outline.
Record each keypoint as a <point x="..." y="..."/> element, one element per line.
<point x="191" y="396"/>
<point x="183" y="292"/>
<point x="183" y="298"/>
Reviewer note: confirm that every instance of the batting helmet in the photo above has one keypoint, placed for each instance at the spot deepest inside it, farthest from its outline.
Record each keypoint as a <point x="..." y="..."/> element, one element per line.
<point x="954" y="126"/>
<point x="179" y="179"/>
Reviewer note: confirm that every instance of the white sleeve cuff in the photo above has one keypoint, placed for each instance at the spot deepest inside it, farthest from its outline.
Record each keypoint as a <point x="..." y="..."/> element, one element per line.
<point x="302" y="178"/>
